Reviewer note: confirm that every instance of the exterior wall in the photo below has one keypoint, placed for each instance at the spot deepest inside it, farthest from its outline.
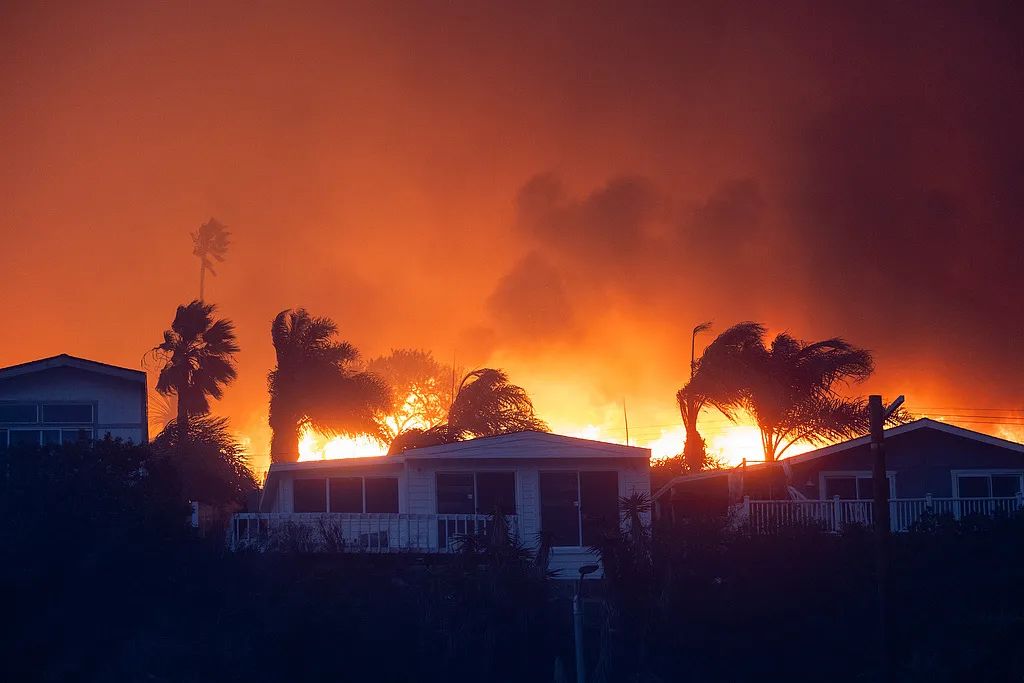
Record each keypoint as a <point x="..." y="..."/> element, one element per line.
<point x="922" y="460"/>
<point x="119" y="404"/>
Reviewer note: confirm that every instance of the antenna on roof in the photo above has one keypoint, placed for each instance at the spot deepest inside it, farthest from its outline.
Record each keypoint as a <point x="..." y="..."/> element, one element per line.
<point x="625" y="418"/>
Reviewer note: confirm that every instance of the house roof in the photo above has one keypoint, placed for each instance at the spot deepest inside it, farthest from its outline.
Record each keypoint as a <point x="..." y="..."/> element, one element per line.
<point x="65" y="361"/>
<point x="923" y="423"/>
<point x="541" y="445"/>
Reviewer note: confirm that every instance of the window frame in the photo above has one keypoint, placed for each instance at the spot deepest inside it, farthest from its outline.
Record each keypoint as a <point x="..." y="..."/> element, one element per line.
<point x="34" y="404"/>
<point x="42" y="405"/>
<point x="362" y="487"/>
<point x="578" y="501"/>
<point x="988" y="474"/>
<point x="824" y="475"/>
<point x="40" y="431"/>
<point x="476" y="490"/>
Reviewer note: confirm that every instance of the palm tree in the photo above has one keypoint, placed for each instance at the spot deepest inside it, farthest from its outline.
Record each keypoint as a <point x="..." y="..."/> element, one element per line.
<point x="789" y="387"/>
<point x="209" y="242"/>
<point x="486" y="404"/>
<point x="198" y="360"/>
<point x="714" y="380"/>
<point x="315" y="380"/>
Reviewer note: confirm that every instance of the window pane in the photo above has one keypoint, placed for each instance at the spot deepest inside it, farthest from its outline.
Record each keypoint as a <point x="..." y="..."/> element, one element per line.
<point x="865" y="488"/>
<point x="310" y="495"/>
<point x="75" y="435"/>
<point x="973" y="487"/>
<point x="17" y="412"/>
<point x="496" y="491"/>
<point x="1005" y="485"/>
<point x="67" y="412"/>
<point x="455" y="494"/>
<point x="844" y="487"/>
<point x="559" y="514"/>
<point x="599" y="505"/>
<point x="24" y="437"/>
<point x="51" y="437"/>
<point x="347" y="494"/>
<point x="3" y="439"/>
<point x="382" y="495"/>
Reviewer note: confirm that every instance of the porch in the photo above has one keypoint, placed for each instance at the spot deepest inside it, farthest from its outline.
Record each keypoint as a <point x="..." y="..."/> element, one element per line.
<point x="770" y="516"/>
<point x="358" y="532"/>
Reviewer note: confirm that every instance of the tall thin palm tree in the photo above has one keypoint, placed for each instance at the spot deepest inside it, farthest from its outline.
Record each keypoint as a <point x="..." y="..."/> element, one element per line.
<point x="316" y="380"/>
<point x="198" y="360"/>
<point x="209" y="243"/>
<point x="486" y="404"/>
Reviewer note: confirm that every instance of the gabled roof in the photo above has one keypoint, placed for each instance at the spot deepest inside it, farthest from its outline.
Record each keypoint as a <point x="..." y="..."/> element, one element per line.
<point x="528" y="444"/>
<point x="923" y="423"/>
<point x="66" y="361"/>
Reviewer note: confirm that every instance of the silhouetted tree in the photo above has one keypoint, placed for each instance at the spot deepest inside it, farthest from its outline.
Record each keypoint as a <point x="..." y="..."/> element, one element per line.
<point x="198" y="360"/>
<point x="211" y="465"/>
<point x="485" y="404"/>
<point x="316" y="380"/>
<point x="715" y="379"/>
<point x="421" y="390"/>
<point x="788" y="386"/>
<point x="209" y="243"/>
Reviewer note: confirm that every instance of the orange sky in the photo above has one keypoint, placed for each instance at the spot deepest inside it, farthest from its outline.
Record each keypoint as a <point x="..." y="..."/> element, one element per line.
<point x="559" y="192"/>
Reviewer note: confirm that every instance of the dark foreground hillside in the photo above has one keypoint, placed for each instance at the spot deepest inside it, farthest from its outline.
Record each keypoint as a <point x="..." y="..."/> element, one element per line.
<point x="101" y="582"/>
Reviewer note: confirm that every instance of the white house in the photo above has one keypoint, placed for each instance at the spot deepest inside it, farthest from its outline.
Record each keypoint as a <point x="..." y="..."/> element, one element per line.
<point x="422" y="500"/>
<point x="56" y="400"/>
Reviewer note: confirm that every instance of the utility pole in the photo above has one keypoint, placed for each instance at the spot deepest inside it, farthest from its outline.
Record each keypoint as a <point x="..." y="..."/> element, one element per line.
<point x="877" y="415"/>
<point x="625" y="419"/>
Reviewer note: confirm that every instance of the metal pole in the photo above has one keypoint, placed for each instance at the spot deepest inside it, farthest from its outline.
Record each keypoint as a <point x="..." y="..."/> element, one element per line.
<point x="876" y="415"/>
<point x="577" y="627"/>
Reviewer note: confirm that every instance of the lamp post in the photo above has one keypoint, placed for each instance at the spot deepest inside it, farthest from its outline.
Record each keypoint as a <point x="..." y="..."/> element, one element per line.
<point x="577" y="622"/>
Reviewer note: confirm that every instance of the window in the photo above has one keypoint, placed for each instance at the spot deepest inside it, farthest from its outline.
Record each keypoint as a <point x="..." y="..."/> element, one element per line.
<point x="18" y="412"/>
<point x="347" y="494"/>
<point x="989" y="484"/>
<point x="75" y="435"/>
<point x="310" y="495"/>
<point x="24" y="437"/>
<point x="3" y="440"/>
<point x="853" y="486"/>
<point x="480" y="493"/>
<point x="382" y="495"/>
<point x="67" y="412"/>
<point x="455" y="493"/>
<point x="495" y="491"/>
<point x="577" y="508"/>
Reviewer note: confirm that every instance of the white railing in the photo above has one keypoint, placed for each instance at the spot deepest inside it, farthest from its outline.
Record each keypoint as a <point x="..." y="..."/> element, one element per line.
<point x="769" y="516"/>
<point x="352" y="532"/>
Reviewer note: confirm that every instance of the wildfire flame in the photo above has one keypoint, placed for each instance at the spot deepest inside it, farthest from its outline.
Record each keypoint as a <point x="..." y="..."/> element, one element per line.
<point x="316" y="446"/>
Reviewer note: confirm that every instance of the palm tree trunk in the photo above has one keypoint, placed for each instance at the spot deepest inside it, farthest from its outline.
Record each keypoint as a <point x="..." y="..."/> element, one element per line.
<point x="284" y="444"/>
<point x="182" y="423"/>
<point x="202" y="276"/>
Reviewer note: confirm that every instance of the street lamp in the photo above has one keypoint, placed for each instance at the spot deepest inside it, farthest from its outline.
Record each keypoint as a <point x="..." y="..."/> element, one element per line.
<point x="577" y="622"/>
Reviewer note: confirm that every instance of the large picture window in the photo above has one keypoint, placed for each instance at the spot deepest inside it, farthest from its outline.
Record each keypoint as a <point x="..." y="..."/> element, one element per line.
<point x="67" y="412"/>
<point x="18" y="412"/>
<point x="853" y="485"/>
<point x="346" y="494"/>
<point x="476" y="493"/>
<point x="989" y="484"/>
<point x="578" y="508"/>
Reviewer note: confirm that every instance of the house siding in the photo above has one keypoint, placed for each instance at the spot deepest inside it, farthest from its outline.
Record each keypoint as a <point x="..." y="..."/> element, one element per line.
<point x="922" y="462"/>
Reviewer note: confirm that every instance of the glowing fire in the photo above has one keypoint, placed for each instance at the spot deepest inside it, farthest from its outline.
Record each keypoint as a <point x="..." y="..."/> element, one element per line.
<point x="315" y="446"/>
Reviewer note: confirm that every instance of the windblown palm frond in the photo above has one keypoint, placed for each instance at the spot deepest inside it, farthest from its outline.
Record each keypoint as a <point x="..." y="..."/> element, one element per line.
<point x="487" y="404"/>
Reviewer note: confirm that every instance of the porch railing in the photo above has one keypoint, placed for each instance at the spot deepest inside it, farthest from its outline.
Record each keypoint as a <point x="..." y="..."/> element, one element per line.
<point x="770" y="516"/>
<point x="357" y="532"/>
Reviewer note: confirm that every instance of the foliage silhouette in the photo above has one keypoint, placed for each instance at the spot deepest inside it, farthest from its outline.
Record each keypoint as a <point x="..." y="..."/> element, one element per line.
<point x="209" y="243"/>
<point x="210" y="464"/>
<point x="198" y="360"/>
<point x="316" y="380"/>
